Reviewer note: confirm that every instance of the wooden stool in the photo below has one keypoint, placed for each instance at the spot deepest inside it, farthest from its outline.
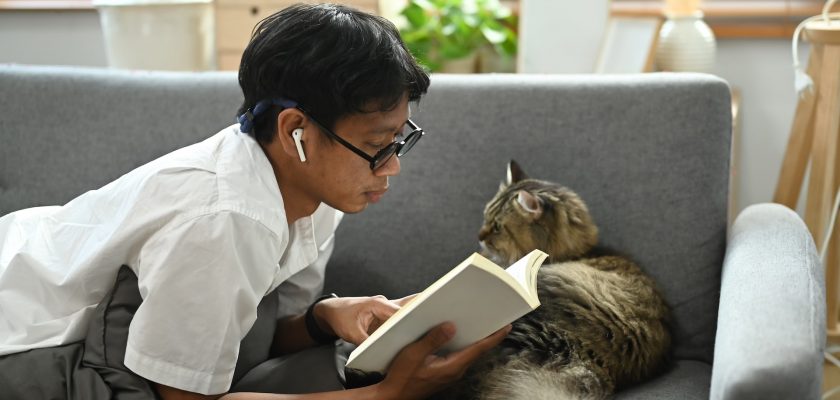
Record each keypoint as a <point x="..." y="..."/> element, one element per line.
<point x="816" y="135"/>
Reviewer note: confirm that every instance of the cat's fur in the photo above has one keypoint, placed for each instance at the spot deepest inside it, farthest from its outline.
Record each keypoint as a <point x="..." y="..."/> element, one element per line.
<point x="602" y="324"/>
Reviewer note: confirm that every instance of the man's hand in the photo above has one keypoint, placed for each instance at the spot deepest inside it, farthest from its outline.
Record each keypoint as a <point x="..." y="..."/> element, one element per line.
<point x="354" y="318"/>
<point x="417" y="372"/>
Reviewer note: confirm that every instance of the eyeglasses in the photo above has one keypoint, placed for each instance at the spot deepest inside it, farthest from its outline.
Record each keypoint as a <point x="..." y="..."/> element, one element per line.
<point x="382" y="156"/>
<point x="246" y="122"/>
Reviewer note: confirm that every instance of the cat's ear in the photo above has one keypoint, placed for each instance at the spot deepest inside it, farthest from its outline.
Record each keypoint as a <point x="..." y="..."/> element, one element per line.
<point x="531" y="204"/>
<point x="576" y="217"/>
<point x="515" y="173"/>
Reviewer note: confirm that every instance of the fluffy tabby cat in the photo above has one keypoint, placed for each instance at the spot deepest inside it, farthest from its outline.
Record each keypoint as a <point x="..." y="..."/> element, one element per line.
<point x="602" y="324"/>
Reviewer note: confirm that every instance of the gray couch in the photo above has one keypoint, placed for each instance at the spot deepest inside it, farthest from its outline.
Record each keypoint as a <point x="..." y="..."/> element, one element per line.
<point x="649" y="153"/>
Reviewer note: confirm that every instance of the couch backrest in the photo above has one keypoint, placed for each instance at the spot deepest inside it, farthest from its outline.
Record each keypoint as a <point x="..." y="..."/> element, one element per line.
<point x="68" y="130"/>
<point x="648" y="153"/>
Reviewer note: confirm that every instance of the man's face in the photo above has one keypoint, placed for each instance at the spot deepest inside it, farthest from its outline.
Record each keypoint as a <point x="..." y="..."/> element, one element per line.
<point x="343" y="179"/>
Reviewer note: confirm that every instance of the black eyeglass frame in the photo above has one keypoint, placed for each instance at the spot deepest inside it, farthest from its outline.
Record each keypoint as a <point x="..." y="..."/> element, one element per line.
<point x="383" y="155"/>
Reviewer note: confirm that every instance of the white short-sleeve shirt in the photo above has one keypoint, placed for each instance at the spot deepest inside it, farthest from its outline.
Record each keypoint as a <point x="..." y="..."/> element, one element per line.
<point x="205" y="231"/>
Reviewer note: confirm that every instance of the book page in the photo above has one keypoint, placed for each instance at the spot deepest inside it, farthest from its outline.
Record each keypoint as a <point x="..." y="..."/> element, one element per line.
<point x="519" y="272"/>
<point x="525" y="271"/>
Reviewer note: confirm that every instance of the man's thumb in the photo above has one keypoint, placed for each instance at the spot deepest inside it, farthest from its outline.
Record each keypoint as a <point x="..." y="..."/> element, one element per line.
<point x="437" y="337"/>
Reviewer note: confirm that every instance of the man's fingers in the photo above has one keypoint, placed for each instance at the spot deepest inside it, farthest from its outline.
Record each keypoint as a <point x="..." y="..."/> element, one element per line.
<point x="373" y="326"/>
<point x="384" y="308"/>
<point x="358" y="338"/>
<point x="468" y="354"/>
<point x="375" y="313"/>
<point x="378" y="313"/>
<point x="491" y="341"/>
<point x="405" y="300"/>
<point x="436" y="338"/>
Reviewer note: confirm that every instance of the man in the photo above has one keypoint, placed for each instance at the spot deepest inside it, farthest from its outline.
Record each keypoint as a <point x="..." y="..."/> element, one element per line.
<point x="211" y="229"/>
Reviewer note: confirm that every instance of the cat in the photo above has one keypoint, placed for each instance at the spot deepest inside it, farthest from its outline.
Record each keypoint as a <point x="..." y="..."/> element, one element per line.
<point x="602" y="325"/>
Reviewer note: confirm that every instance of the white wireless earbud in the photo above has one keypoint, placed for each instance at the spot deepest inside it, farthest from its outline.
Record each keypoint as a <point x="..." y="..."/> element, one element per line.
<point x="297" y="134"/>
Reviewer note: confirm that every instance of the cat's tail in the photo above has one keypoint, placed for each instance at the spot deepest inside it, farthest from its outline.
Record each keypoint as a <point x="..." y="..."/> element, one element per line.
<point x="545" y="382"/>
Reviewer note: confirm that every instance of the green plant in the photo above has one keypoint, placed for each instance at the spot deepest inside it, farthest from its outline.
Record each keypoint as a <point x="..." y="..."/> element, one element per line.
<point x="441" y="30"/>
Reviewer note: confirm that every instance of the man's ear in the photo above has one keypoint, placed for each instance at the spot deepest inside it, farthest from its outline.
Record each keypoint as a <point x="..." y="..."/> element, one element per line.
<point x="288" y="121"/>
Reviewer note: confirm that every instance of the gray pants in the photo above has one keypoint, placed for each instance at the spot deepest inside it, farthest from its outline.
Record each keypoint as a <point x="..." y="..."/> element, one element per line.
<point x="93" y="368"/>
<point x="309" y="371"/>
<point x="61" y="373"/>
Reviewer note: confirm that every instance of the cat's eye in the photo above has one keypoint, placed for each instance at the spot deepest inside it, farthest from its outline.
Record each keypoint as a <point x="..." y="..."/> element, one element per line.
<point x="496" y="226"/>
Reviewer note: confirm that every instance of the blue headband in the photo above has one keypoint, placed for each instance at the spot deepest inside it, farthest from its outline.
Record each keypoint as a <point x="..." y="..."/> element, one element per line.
<point x="246" y="120"/>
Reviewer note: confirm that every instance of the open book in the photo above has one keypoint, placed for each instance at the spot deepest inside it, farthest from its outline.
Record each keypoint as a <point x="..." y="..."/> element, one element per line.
<point x="478" y="296"/>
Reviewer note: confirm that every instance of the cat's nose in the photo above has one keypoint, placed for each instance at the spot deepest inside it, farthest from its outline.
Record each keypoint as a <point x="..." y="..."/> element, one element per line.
<point x="482" y="234"/>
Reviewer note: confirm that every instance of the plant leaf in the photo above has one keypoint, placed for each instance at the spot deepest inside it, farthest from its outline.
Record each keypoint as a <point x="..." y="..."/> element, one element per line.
<point x="415" y="15"/>
<point x="494" y="36"/>
<point x="441" y="30"/>
<point x="454" y="51"/>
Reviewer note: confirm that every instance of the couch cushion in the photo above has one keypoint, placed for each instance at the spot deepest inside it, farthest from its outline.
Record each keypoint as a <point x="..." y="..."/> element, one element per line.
<point x="686" y="380"/>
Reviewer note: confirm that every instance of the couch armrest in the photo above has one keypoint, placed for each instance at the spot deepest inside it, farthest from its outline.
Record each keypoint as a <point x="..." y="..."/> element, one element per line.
<point x="771" y="321"/>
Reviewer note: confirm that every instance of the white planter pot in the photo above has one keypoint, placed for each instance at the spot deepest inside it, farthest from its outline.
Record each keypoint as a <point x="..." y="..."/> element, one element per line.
<point x="158" y="34"/>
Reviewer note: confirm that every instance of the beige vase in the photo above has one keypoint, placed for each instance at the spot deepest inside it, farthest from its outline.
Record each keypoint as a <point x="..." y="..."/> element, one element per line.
<point x="686" y="44"/>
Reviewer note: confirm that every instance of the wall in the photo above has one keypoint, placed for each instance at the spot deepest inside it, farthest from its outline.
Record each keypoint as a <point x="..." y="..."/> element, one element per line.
<point x="44" y="37"/>
<point x="551" y="30"/>
<point x="760" y="69"/>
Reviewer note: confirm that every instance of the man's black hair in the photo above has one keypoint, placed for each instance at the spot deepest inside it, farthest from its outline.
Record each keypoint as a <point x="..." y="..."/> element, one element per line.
<point x="333" y="60"/>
